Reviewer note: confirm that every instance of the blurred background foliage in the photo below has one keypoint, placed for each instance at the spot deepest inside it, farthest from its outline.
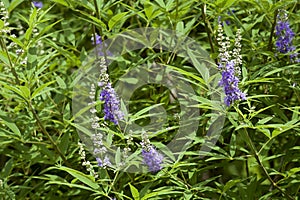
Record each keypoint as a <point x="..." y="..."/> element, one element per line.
<point x="256" y="157"/>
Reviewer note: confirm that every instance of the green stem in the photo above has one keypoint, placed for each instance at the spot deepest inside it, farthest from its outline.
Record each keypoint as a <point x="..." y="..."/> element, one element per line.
<point x="3" y="46"/>
<point x="256" y="156"/>
<point x="206" y="22"/>
<point x="113" y="183"/>
<point x="100" y="33"/>
<point x="45" y="132"/>
<point x="270" y="45"/>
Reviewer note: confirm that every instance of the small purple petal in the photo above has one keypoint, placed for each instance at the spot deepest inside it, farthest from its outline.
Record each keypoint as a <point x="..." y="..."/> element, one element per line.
<point x="38" y="4"/>
<point x="100" y="163"/>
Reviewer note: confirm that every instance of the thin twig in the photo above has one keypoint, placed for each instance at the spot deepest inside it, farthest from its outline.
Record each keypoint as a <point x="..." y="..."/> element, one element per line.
<point x="252" y="147"/>
<point x="98" y="16"/>
<point x="270" y="45"/>
<point x="207" y="28"/>
<point x="45" y="132"/>
<point x="3" y="46"/>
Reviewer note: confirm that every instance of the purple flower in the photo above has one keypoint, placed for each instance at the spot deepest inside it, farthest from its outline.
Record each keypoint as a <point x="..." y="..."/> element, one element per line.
<point x="152" y="159"/>
<point x="111" y="104"/>
<point x="285" y="36"/>
<point x="97" y="41"/>
<point x="103" y="163"/>
<point x="38" y="4"/>
<point x="230" y="82"/>
<point x="229" y="13"/>
<point x="99" y="161"/>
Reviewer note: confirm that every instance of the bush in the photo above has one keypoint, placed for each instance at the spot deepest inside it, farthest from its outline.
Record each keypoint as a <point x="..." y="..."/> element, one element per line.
<point x="147" y="99"/>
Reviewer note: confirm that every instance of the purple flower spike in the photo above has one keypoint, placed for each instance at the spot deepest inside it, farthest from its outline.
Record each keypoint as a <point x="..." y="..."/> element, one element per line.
<point x="229" y="66"/>
<point x="285" y="36"/>
<point x="230" y="83"/>
<point x="38" y="4"/>
<point x="152" y="159"/>
<point x="111" y="104"/>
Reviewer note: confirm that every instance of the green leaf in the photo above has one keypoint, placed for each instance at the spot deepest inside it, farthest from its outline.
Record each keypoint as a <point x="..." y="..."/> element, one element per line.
<point x="199" y="64"/>
<point x="232" y="145"/>
<point x="14" y="4"/>
<point x="7" y="169"/>
<point x="3" y="58"/>
<point x="32" y="58"/>
<point x="82" y="129"/>
<point x="180" y="27"/>
<point x="13" y="89"/>
<point x="71" y="185"/>
<point x="1" y="24"/>
<point x="161" y="3"/>
<point x="61" y="82"/>
<point x="264" y="120"/>
<point x="293" y="171"/>
<point x="17" y="41"/>
<point x="62" y="2"/>
<point x="32" y="18"/>
<point x="153" y="195"/>
<point x="285" y="127"/>
<point x="28" y="33"/>
<point x="148" y="9"/>
<point x="129" y="80"/>
<point x="64" y="142"/>
<point x="47" y="28"/>
<point x="12" y="126"/>
<point x="118" y="156"/>
<point x="40" y="90"/>
<point x="134" y="192"/>
<point x="80" y="176"/>
<point x="229" y="184"/>
<point x="25" y="91"/>
<point x="116" y="19"/>
<point x="187" y="195"/>
<point x="228" y="3"/>
<point x="93" y="20"/>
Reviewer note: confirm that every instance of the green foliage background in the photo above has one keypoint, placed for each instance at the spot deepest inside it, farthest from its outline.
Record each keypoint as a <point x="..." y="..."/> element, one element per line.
<point x="257" y="156"/>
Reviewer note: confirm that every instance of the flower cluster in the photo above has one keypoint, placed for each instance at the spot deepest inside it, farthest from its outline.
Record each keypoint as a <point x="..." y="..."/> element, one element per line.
<point x="111" y="112"/>
<point x="99" y="148"/>
<point x="229" y="67"/>
<point x="285" y="36"/>
<point x="109" y="96"/>
<point x="151" y="157"/>
<point x="4" y="17"/>
<point x="95" y="119"/>
<point x="111" y="104"/>
<point x="129" y="141"/>
<point x="85" y="163"/>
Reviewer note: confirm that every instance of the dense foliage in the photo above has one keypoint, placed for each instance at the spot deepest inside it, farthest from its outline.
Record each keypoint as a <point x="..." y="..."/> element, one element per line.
<point x="45" y="43"/>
